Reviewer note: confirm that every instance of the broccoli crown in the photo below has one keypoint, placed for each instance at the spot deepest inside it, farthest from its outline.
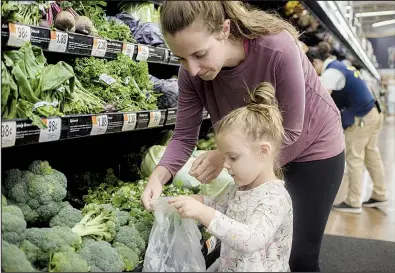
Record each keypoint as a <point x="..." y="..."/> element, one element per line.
<point x="102" y="257"/>
<point x="13" y="225"/>
<point x="123" y="217"/>
<point x="31" y="251"/>
<point x="14" y="260"/>
<point x="143" y="227"/>
<point x="129" y="257"/>
<point x="3" y="201"/>
<point x="67" y="261"/>
<point x="66" y="217"/>
<point x="99" y="222"/>
<point x="131" y="238"/>
<point x="51" y="240"/>
<point x="38" y="192"/>
<point x="40" y="167"/>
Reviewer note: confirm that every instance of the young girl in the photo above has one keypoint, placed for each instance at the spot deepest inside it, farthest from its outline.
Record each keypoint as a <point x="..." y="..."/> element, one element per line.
<point x="253" y="217"/>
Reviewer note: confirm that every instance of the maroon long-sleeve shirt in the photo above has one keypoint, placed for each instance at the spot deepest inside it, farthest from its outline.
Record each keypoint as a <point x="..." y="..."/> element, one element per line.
<point x="312" y="121"/>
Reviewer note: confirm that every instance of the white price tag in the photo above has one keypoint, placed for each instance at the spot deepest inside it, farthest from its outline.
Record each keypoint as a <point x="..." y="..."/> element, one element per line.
<point x="99" y="47"/>
<point x="8" y="133"/>
<point x="52" y="132"/>
<point x="107" y="79"/>
<point x="129" y="122"/>
<point x="211" y="243"/>
<point x="99" y="125"/>
<point x="58" y="42"/>
<point x="19" y="35"/>
<point x="142" y="53"/>
<point x="128" y="49"/>
<point x="154" y="119"/>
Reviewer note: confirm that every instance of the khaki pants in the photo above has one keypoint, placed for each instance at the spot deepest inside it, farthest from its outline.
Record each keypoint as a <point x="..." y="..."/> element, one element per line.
<point x="361" y="148"/>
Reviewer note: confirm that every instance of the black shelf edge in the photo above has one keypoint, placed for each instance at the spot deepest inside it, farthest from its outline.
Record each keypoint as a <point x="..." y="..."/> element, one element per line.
<point x="56" y="41"/>
<point x="318" y="12"/>
<point x="20" y="132"/>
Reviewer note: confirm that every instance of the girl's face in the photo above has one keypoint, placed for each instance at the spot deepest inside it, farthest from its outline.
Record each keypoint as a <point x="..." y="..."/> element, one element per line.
<point x="201" y="53"/>
<point x="246" y="161"/>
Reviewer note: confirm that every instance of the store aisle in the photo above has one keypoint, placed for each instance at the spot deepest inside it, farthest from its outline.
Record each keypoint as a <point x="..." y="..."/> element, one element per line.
<point x="372" y="223"/>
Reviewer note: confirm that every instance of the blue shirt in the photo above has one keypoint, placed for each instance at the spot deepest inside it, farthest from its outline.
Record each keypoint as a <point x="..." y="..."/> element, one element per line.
<point x="355" y="98"/>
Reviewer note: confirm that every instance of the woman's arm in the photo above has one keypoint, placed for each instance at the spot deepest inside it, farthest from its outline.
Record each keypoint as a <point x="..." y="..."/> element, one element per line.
<point x="186" y="132"/>
<point x="290" y="94"/>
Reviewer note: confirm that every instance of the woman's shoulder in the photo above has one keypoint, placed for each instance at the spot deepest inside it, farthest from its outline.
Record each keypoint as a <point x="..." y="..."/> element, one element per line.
<point x="276" y="42"/>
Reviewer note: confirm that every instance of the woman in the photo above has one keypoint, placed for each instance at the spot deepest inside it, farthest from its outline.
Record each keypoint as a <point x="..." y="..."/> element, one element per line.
<point x="362" y="122"/>
<point x="226" y="49"/>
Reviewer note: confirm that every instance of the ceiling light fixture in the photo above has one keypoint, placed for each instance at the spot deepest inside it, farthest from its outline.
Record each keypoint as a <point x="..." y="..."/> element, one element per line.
<point x="375" y="13"/>
<point x="383" y="23"/>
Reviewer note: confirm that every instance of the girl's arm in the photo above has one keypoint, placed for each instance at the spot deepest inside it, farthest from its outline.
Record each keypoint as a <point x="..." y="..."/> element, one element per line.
<point x="259" y="228"/>
<point x="186" y="132"/>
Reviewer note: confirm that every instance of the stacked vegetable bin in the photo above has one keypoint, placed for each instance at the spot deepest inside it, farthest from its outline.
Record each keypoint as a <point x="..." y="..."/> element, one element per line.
<point x="85" y="98"/>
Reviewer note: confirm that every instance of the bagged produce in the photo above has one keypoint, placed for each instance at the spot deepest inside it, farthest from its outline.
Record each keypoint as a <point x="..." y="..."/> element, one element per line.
<point x="182" y="178"/>
<point x="168" y="90"/>
<point x="174" y="244"/>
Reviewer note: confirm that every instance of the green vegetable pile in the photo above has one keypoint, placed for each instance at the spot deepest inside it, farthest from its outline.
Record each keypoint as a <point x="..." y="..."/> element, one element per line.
<point x="30" y="14"/>
<point x="32" y="89"/>
<point x="43" y="232"/>
<point x="207" y="143"/>
<point x="129" y="88"/>
<point x="94" y="10"/>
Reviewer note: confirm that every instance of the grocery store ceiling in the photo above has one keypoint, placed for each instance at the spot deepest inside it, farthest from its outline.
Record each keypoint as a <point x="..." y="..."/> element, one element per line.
<point x="376" y="6"/>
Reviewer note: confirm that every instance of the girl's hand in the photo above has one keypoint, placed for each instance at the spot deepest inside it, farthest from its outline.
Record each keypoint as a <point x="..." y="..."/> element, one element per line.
<point x="207" y="166"/>
<point x="189" y="207"/>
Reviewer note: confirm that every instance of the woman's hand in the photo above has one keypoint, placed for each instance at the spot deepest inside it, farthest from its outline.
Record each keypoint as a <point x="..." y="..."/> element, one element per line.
<point x="154" y="187"/>
<point x="207" y="166"/>
<point x="191" y="208"/>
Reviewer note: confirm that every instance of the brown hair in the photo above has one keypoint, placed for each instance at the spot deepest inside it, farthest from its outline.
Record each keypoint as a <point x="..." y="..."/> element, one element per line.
<point x="260" y="118"/>
<point x="246" y="22"/>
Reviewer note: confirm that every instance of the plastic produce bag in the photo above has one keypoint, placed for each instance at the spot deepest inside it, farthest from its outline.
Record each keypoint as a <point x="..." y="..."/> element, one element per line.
<point x="174" y="243"/>
<point x="168" y="90"/>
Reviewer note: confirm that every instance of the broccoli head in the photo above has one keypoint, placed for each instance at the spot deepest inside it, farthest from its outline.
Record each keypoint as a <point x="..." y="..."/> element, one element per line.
<point x="67" y="261"/>
<point x="13" y="225"/>
<point x="123" y="217"/>
<point x="66" y="217"/>
<point x="143" y="226"/>
<point x="102" y="257"/>
<point x="50" y="240"/>
<point x="129" y="257"/>
<point x="99" y="221"/>
<point x="3" y="201"/>
<point x="131" y="238"/>
<point x="38" y="192"/>
<point x="14" y="260"/>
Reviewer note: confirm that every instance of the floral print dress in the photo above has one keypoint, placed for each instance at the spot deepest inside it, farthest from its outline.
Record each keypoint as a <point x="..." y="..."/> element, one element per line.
<point x="254" y="226"/>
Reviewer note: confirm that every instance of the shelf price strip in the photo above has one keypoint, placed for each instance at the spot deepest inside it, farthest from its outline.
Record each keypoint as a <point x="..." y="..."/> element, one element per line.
<point x="19" y="35"/>
<point x="53" y="130"/>
<point x="8" y="133"/>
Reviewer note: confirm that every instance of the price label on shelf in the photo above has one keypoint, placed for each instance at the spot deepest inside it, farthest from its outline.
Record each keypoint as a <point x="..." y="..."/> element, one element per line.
<point x="107" y="79"/>
<point x="8" y="133"/>
<point x="99" y="125"/>
<point x="129" y="122"/>
<point x="154" y="119"/>
<point x="99" y="47"/>
<point x="142" y="53"/>
<point x="19" y="34"/>
<point x="128" y="49"/>
<point x="53" y="130"/>
<point x="58" y="41"/>
<point x="211" y="243"/>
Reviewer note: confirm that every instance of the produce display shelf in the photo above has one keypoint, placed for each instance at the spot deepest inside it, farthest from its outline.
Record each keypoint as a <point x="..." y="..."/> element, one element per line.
<point x="328" y="13"/>
<point x="16" y="34"/>
<point x="20" y="132"/>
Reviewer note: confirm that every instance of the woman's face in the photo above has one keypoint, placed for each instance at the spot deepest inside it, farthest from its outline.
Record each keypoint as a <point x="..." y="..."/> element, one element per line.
<point x="201" y="53"/>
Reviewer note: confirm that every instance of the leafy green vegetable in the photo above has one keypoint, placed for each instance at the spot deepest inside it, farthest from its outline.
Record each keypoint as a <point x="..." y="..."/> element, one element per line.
<point x="131" y="89"/>
<point x="25" y="13"/>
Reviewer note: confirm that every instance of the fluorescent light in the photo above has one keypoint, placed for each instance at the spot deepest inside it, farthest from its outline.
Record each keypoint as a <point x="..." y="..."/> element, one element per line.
<point x="384" y="23"/>
<point x="349" y="7"/>
<point x="375" y="13"/>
